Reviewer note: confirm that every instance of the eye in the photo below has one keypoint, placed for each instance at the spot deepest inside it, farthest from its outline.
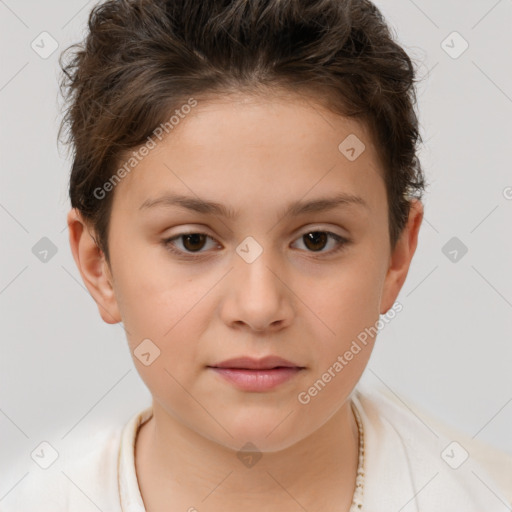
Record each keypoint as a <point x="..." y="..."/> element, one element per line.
<point x="191" y="243"/>
<point x="315" y="241"/>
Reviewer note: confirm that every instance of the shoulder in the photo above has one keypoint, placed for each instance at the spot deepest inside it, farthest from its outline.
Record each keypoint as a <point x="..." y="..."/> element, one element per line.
<point x="449" y="467"/>
<point x="82" y="478"/>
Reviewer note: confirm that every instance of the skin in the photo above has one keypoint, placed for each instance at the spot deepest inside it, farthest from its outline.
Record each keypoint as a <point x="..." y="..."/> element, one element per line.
<point x="254" y="155"/>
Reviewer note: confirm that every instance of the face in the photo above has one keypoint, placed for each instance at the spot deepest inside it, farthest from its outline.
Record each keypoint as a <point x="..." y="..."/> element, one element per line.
<point x="257" y="274"/>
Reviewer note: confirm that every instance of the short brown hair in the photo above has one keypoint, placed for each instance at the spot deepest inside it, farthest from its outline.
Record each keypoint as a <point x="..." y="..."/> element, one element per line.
<point x="143" y="58"/>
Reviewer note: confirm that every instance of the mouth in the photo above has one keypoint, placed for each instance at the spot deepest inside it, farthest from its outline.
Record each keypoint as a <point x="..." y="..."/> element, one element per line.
<point x="257" y="375"/>
<point x="250" y="363"/>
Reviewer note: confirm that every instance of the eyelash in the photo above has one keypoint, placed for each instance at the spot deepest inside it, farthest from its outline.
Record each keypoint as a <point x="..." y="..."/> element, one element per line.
<point x="168" y="244"/>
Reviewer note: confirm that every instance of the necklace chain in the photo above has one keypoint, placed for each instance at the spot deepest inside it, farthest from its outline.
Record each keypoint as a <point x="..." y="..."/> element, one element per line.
<point x="357" y="499"/>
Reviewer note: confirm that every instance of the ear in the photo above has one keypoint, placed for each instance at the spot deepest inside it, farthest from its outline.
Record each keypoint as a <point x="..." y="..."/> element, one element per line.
<point x="401" y="257"/>
<point x="93" y="267"/>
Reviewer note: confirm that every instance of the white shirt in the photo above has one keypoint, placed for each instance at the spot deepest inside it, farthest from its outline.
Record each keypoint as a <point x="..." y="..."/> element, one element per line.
<point x="413" y="463"/>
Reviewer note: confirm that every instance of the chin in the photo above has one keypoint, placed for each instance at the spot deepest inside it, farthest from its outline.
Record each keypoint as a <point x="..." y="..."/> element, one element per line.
<point x="270" y="434"/>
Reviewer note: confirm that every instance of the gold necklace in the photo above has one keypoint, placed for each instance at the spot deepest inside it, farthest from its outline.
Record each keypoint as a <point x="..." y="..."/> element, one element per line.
<point x="357" y="499"/>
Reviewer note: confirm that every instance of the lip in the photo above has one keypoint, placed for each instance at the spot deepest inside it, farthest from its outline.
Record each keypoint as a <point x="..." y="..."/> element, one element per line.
<point x="250" y="363"/>
<point x="257" y="375"/>
<point x="257" y="380"/>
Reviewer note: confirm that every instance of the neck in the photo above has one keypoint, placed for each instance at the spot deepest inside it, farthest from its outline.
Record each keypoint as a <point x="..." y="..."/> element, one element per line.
<point x="175" y="465"/>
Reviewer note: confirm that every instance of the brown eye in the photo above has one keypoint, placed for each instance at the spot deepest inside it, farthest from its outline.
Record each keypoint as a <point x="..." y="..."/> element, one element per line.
<point x="190" y="243"/>
<point x="323" y="242"/>
<point x="194" y="242"/>
<point x="315" y="240"/>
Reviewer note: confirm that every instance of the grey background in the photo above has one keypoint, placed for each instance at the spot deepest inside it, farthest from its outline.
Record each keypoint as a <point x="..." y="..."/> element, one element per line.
<point x="64" y="373"/>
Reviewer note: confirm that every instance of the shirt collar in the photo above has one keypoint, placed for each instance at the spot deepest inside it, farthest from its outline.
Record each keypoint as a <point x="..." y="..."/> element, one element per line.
<point x="129" y="492"/>
<point x="388" y="484"/>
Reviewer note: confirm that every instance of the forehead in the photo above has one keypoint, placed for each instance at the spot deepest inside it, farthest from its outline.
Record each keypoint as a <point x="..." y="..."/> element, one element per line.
<point x="253" y="151"/>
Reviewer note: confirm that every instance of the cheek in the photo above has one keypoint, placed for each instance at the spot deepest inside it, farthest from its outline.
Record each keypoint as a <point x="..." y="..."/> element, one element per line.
<point x="166" y="309"/>
<point x="346" y="308"/>
<point x="161" y="321"/>
<point x="151" y="296"/>
<point x="348" y="300"/>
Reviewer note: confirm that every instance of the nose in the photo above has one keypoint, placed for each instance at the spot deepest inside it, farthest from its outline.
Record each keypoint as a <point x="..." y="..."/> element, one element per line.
<point x="257" y="296"/>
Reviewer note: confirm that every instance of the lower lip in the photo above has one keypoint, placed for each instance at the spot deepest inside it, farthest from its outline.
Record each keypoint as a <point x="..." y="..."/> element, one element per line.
<point x="257" y="380"/>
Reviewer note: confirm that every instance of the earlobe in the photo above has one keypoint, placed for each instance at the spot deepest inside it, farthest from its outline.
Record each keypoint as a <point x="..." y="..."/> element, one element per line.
<point x="401" y="257"/>
<point x="92" y="266"/>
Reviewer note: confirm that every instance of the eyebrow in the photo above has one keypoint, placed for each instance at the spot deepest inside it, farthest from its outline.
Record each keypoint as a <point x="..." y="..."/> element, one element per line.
<point x="204" y="206"/>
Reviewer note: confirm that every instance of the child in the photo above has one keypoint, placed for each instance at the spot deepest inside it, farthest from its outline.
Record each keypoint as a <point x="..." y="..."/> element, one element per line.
<point x="280" y="137"/>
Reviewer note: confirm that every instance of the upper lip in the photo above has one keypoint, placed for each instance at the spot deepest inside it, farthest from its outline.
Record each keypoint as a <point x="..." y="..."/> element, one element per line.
<point x="250" y="363"/>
